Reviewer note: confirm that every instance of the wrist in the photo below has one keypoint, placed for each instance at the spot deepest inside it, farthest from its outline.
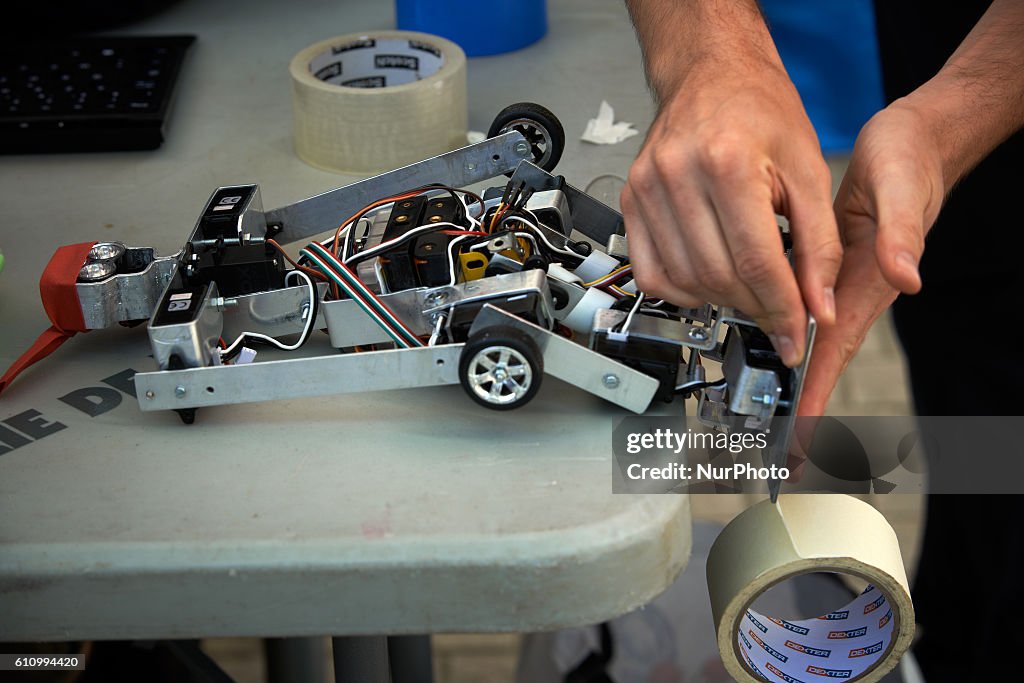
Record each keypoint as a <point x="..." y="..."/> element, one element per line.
<point x="688" y="40"/>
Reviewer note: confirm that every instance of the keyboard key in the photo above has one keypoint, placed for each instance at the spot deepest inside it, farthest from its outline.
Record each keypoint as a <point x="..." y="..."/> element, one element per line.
<point x="87" y="94"/>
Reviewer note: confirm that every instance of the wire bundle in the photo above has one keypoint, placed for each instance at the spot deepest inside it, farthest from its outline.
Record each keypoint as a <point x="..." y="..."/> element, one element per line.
<point x="347" y="281"/>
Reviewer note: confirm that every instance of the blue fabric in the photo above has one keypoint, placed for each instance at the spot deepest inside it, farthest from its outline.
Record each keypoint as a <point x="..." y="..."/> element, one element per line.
<point x="479" y="27"/>
<point x="831" y="52"/>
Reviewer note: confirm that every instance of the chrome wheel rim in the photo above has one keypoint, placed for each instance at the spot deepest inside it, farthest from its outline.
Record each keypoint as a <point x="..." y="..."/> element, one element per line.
<point x="499" y="375"/>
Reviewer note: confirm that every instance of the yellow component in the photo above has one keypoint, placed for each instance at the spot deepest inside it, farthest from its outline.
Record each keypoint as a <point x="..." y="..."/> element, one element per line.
<point x="524" y="245"/>
<point x="473" y="265"/>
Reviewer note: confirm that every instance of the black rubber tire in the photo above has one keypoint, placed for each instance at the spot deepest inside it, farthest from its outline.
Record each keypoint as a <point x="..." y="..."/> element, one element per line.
<point x="541" y="128"/>
<point x="523" y="350"/>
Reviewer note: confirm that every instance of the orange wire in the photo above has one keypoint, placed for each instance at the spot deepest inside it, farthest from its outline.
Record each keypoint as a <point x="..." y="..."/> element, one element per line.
<point x="308" y="271"/>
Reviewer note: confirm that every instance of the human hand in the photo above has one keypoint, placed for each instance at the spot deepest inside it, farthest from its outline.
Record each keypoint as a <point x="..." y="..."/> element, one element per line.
<point x="888" y="200"/>
<point x="732" y="147"/>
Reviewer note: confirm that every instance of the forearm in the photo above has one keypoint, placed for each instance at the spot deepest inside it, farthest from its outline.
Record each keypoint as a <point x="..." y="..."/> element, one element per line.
<point x="977" y="99"/>
<point x="677" y="35"/>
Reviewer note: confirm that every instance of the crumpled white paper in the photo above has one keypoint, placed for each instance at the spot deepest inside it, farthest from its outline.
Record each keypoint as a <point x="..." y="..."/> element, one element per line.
<point x="604" y="131"/>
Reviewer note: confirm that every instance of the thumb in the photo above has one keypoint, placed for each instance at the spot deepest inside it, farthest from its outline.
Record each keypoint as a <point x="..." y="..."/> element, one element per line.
<point x="900" y="239"/>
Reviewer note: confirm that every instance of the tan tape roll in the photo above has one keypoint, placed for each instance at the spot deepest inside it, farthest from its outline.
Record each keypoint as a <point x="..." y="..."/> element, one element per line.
<point x="371" y="102"/>
<point x="804" y="533"/>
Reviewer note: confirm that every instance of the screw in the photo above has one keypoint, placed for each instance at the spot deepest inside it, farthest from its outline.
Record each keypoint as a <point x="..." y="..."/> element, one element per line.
<point x="401" y="218"/>
<point x="150" y="395"/>
<point x="437" y="298"/>
<point x="220" y="303"/>
<point x="406" y="205"/>
<point x="698" y="333"/>
<point x="179" y="391"/>
<point x="470" y="167"/>
<point x="610" y="381"/>
<point x="766" y="399"/>
<point x="435" y="218"/>
<point x="522" y="148"/>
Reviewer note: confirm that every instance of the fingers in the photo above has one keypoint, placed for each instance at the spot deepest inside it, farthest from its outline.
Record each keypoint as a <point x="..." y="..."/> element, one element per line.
<point x="862" y="294"/>
<point x="748" y="223"/>
<point x="817" y="248"/>
<point x="689" y="239"/>
<point x="900" y="240"/>
<point x="646" y="257"/>
<point x="895" y="179"/>
<point x="710" y="235"/>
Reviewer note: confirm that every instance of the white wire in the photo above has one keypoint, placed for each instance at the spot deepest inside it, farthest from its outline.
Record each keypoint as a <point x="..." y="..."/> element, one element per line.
<point x="384" y="246"/>
<point x="632" y="312"/>
<point x="451" y="257"/>
<point x="697" y="382"/>
<point x="305" y="330"/>
<point x="540" y="233"/>
<point x="465" y="204"/>
<point x="437" y="331"/>
<point x="464" y="198"/>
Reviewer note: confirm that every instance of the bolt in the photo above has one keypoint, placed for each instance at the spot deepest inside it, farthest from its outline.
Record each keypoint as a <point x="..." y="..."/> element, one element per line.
<point x="402" y="218"/>
<point x="500" y="375"/>
<point x="522" y="148"/>
<point x="179" y="391"/>
<point x="220" y="303"/>
<point x="698" y="333"/>
<point x="428" y="247"/>
<point x="766" y="399"/>
<point x="150" y="395"/>
<point x="406" y="205"/>
<point x="435" y="218"/>
<point x="470" y="167"/>
<point x="437" y="298"/>
<point x="610" y="381"/>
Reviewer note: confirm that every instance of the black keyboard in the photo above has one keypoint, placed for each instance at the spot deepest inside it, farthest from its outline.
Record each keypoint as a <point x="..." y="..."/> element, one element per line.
<point x="87" y="94"/>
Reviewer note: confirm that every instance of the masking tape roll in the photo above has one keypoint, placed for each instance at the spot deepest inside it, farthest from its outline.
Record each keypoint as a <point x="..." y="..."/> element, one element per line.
<point x="370" y="102"/>
<point x="804" y="533"/>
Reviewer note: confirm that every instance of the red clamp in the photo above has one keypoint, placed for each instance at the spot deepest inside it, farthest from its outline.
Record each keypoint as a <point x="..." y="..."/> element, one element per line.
<point x="60" y="299"/>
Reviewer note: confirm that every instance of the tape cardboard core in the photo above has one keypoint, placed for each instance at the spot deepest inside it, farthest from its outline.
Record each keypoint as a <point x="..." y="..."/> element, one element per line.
<point x="377" y="62"/>
<point x="843" y="644"/>
<point x="770" y="544"/>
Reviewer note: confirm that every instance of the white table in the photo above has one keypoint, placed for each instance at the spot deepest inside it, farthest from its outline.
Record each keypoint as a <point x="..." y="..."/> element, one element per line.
<point x="392" y="512"/>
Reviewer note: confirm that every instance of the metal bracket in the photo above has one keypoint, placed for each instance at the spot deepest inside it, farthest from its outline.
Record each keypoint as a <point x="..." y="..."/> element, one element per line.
<point x="299" y="377"/>
<point x="578" y="365"/>
<point x="459" y="168"/>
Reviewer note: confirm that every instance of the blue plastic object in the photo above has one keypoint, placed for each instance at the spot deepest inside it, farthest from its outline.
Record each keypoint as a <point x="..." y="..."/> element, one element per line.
<point x="831" y="52"/>
<point x="479" y="27"/>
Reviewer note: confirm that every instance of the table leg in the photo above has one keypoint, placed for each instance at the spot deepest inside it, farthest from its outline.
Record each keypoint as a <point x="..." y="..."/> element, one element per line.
<point x="410" y="659"/>
<point x="361" y="659"/>
<point x="296" y="660"/>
